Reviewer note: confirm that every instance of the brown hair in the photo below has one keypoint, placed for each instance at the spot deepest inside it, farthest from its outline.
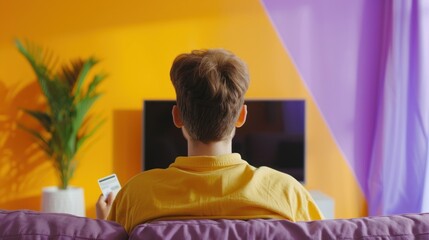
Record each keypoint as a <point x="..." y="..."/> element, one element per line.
<point x="210" y="87"/>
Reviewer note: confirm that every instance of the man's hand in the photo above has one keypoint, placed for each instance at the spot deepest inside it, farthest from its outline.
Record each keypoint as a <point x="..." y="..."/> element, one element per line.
<point x="103" y="205"/>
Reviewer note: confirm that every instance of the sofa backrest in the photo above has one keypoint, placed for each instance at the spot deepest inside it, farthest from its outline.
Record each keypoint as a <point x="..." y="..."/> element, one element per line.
<point x="411" y="226"/>
<point x="25" y="225"/>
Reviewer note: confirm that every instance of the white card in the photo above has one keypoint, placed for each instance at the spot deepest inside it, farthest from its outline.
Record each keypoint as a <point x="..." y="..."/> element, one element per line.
<point x="109" y="184"/>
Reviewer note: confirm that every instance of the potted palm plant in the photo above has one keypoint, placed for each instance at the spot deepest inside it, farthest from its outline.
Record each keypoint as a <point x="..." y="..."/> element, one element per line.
<point x="64" y="125"/>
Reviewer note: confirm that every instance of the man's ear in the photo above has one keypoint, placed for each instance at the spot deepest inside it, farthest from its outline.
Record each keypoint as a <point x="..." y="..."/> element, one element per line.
<point x="177" y="120"/>
<point x="242" y="117"/>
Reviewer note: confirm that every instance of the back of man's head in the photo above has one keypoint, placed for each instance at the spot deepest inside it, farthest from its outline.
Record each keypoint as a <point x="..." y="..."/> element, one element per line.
<point x="210" y="87"/>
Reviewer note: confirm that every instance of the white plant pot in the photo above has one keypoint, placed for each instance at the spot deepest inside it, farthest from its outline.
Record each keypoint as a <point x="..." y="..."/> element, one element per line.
<point x="70" y="200"/>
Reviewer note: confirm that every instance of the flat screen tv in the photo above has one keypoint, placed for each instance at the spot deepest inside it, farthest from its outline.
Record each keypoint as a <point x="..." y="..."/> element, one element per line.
<point x="273" y="136"/>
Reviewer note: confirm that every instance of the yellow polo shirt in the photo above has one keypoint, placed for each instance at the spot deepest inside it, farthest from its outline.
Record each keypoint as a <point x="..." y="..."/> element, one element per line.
<point x="208" y="187"/>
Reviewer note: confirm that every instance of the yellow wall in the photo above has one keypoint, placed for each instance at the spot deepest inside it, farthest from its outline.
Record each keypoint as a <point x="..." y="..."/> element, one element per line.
<point x="137" y="41"/>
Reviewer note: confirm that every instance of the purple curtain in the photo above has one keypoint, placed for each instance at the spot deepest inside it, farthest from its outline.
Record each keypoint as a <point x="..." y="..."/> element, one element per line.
<point x="399" y="162"/>
<point x="365" y="63"/>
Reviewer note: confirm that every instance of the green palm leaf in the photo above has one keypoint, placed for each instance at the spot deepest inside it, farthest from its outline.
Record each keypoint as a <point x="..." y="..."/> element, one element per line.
<point x="88" y="64"/>
<point x="82" y="139"/>
<point x="94" y="83"/>
<point x="41" y="62"/>
<point x="82" y="108"/>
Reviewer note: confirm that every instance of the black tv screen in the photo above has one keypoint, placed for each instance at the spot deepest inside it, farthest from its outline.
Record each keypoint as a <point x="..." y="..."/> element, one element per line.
<point x="273" y="136"/>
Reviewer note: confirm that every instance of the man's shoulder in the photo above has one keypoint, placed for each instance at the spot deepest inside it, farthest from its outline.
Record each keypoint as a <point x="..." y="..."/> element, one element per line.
<point x="277" y="175"/>
<point x="146" y="177"/>
<point x="139" y="184"/>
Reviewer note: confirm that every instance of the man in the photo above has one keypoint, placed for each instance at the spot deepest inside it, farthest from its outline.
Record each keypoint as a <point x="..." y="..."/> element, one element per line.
<point x="211" y="182"/>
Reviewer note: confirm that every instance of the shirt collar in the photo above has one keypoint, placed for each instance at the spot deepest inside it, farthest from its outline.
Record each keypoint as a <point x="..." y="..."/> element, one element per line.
<point x="208" y="161"/>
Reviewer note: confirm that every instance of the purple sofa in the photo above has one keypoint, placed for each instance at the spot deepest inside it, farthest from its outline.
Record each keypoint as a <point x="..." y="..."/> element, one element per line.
<point x="34" y="225"/>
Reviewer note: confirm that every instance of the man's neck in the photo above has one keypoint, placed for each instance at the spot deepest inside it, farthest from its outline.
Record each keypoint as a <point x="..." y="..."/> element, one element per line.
<point x="197" y="148"/>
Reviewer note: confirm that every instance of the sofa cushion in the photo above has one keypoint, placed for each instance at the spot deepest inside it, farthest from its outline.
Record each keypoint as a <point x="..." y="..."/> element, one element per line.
<point x="25" y="225"/>
<point x="411" y="226"/>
